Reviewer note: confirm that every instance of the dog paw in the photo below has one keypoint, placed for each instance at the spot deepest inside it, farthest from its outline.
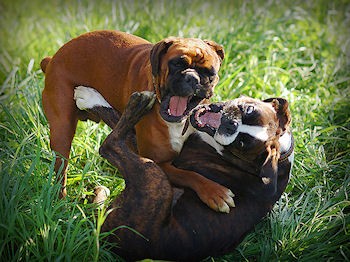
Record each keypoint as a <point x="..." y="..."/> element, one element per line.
<point x="87" y="98"/>
<point x="101" y="194"/>
<point x="140" y="103"/>
<point x="217" y="197"/>
<point x="266" y="180"/>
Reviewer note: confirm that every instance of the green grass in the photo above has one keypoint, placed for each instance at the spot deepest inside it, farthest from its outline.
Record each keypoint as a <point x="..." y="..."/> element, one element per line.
<point x="298" y="50"/>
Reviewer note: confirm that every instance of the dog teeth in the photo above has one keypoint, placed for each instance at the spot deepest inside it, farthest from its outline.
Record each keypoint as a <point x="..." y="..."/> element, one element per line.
<point x="169" y="112"/>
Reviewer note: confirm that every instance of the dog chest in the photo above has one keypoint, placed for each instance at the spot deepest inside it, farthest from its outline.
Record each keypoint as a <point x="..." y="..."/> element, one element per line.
<point x="177" y="139"/>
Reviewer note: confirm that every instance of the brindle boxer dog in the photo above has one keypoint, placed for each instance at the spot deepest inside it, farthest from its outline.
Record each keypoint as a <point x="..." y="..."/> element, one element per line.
<point x="249" y="150"/>
<point x="182" y="71"/>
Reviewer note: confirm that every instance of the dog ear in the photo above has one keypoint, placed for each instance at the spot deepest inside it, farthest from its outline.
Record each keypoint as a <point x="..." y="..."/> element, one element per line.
<point x="282" y="109"/>
<point x="158" y="50"/>
<point x="217" y="48"/>
<point x="269" y="170"/>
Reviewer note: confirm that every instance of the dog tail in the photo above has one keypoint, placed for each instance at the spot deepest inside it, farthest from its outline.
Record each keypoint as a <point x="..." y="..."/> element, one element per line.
<point x="44" y="63"/>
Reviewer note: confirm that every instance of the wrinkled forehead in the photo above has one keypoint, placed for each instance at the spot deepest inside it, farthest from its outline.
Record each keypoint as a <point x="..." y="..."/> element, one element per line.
<point x="257" y="119"/>
<point x="195" y="52"/>
<point x="254" y="111"/>
<point x="243" y="102"/>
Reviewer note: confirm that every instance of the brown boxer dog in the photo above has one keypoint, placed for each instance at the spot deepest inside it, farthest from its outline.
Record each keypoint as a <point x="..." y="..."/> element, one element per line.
<point x="249" y="149"/>
<point x="181" y="71"/>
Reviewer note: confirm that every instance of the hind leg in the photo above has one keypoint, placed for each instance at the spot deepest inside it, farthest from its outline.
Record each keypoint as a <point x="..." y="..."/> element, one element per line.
<point x="61" y="114"/>
<point x="139" y="104"/>
<point x="97" y="108"/>
<point x="145" y="204"/>
<point x="90" y="101"/>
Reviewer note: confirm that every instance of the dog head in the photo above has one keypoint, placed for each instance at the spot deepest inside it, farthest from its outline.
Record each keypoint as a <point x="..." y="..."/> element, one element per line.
<point x="232" y="121"/>
<point x="247" y="129"/>
<point x="185" y="72"/>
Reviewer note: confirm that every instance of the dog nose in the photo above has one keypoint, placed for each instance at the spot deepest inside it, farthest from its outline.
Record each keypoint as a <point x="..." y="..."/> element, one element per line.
<point x="189" y="83"/>
<point x="191" y="77"/>
<point x="228" y="127"/>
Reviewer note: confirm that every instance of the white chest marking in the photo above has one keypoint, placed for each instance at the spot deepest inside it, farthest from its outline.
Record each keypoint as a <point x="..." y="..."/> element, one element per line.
<point x="175" y="133"/>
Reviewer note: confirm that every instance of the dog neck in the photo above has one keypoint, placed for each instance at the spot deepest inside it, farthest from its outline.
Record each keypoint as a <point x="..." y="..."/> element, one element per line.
<point x="177" y="134"/>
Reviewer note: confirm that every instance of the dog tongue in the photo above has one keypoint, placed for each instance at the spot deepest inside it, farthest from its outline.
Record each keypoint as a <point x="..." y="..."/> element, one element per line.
<point x="211" y="119"/>
<point x="178" y="105"/>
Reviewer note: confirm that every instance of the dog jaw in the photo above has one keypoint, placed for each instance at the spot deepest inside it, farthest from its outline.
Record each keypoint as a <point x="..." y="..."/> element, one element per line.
<point x="225" y="140"/>
<point x="212" y="142"/>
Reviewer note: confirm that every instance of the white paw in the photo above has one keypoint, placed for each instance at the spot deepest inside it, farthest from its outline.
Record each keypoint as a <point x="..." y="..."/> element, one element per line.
<point x="101" y="194"/>
<point x="87" y="98"/>
<point x="228" y="202"/>
<point x="266" y="180"/>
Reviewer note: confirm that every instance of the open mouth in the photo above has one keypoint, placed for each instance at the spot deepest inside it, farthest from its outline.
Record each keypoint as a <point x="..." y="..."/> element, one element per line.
<point x="207" y="118"/>
<point x="176" y="108"/>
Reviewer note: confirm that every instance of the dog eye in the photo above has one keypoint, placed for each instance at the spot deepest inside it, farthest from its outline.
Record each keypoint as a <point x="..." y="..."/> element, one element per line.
<point x="241" y="143"/>
<point x="249" y="110"/>
<point x="178" y="63"/>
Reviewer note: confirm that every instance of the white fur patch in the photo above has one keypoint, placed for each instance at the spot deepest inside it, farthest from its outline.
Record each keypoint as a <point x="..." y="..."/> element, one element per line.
<point x="175" y="133"/>
<point x="257" y="132"/>
<point x="285" y="142"/>
<point x="291" y="161"/>
<point x="224" y="139"/>
<point x="87" y="98"/>
<point x="266" y="180"/>
<point x="193" y="74"/>
<point x="211" y="141"/>
<point x="291" y="158"/>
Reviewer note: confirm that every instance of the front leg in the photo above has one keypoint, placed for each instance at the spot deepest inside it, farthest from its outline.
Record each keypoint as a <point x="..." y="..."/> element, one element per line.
<point x="217" y="197"/>
<point x="139" y="104"/>
<point x="145" y="203"/>
<point x="214" y="195"/>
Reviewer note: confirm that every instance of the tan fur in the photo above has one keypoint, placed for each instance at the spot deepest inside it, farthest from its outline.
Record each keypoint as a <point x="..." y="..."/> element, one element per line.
<point x="116" y="64"/>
